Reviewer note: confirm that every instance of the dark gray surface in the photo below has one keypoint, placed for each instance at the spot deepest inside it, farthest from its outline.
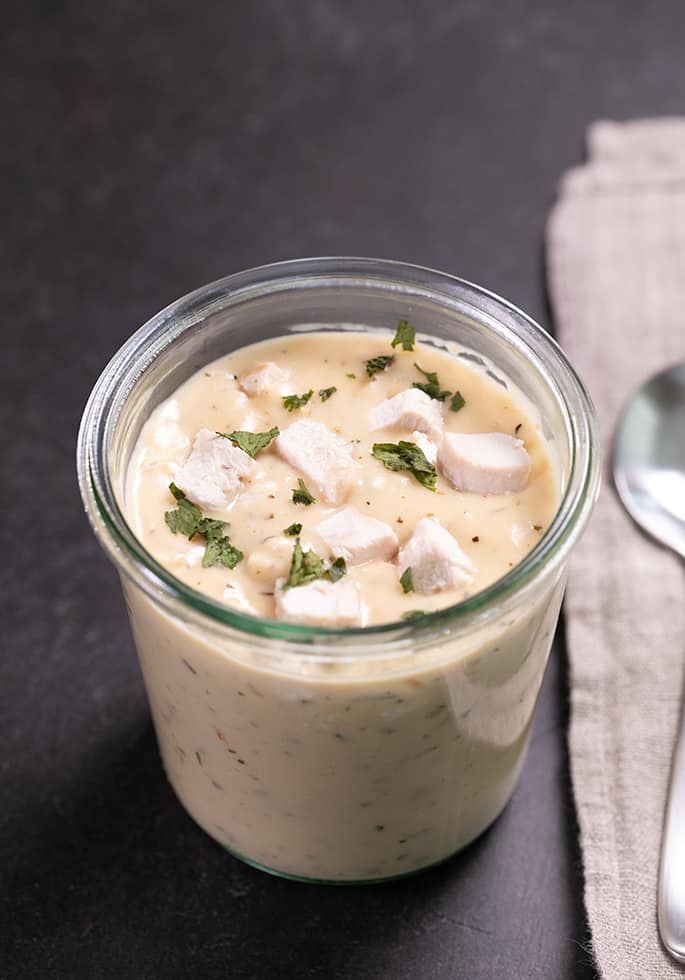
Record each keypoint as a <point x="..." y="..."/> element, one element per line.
<point x="149" y="148"/>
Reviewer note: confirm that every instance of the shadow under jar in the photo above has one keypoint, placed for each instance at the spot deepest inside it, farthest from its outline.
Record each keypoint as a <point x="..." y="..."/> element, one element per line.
<point x="341" y="755"/>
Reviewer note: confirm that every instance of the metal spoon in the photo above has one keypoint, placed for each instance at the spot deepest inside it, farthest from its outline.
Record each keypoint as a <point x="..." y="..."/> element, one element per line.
<point x="649" y="474"/>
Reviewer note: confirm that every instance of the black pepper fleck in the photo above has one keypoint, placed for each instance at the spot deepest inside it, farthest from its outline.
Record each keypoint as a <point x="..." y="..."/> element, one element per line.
<point x="475" y="538"/>
<point x="379" y="827"/>
<point x="189" y="666"/>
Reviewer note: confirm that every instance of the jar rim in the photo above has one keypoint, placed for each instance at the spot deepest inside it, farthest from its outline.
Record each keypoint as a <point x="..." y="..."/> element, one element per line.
<point x="162" y="329"/>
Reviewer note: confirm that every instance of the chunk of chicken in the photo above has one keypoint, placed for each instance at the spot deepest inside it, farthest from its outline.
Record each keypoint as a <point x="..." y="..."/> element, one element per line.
<point x="263" y="379"/>
<point x="484" y="462"/>
<point x="211" y="475"/>
<point x="435" y="558"/>
<point x="324" y="459"/>
<point x="321" y="603"/>
<point x="410" y="409"/>
<point x="357" y="537"/>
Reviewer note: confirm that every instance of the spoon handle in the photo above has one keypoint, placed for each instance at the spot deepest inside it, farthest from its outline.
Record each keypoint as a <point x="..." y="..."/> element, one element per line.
<point x="671" y="900"/>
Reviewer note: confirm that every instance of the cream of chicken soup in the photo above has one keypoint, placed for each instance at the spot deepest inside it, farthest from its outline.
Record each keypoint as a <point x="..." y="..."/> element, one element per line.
<point x="342" y="479"/>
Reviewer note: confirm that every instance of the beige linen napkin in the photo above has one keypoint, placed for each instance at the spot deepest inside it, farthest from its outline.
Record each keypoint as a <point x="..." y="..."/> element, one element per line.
<point x="616" y="272"/>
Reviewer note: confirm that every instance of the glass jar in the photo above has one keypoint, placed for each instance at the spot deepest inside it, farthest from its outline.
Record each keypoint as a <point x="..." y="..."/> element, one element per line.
<point x="340" y="755"/>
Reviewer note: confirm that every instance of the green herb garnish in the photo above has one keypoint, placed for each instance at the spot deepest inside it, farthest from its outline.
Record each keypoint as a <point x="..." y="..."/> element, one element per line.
<point x="406" y="580"/>
<point x="301" y="495"/>
<point x="292" y="402"/>
<point x="336" y="569"/>
<point x="293" y="530"/>
<point x="251" y="442"/>
<point x="351" y="374"/>
<point x="187" y="519"/>
<point x="431" y="386"/>
<point x="405" y="335"/>
<point x="325" y="393"/>
<point x="380" y="363"/>
<point x="307" y="566"/>
<point x="457" y="401"/>
<point x="406" y="456"/>
<point x="413" y="614"/>
<point x="220" y="551"/>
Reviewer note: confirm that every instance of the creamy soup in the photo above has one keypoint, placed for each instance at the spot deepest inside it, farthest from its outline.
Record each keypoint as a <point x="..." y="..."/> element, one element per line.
<point x="328" y="769"/>
<point x="493" y="530"/>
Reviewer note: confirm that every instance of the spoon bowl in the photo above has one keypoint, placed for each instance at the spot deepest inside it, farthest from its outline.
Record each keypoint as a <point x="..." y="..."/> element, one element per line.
<point x="649" y="458"/>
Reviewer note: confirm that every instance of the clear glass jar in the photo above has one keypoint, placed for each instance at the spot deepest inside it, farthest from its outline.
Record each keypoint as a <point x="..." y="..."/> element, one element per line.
<point x="328" y="754"/>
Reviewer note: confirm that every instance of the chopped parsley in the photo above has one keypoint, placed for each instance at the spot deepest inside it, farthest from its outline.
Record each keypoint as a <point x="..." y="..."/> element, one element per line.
<point x="220" y="551"/>
<point x="325" y="393"/>
<point x="187" y="519"/>
<point x="351" y="374"/>
<point x="413" y="614"/>
<point x="406" y="456"/>
<point x="337" y="569"/>
<point x="307" y="566"/>
<point x="380" y="363"/>
<point x="292" y="402"/>
<point x="431" y="386"/>
<point x="406" y="580"/>
<point x="457" y="401"/>
<point x="405" y="335"/>
<point x="301" y="495"/>
<point x="251" y="442"/>
<point x="293" y="530"/>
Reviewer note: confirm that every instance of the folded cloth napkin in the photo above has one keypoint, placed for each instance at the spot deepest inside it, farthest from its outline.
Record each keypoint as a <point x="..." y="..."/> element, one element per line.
<point x="616" y="274"/>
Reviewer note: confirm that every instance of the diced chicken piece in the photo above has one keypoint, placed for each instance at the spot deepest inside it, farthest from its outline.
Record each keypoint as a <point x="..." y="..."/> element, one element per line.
<point x="427" y="447"/>
<point x="324" y="459"/>
<point x="410" y="409"/>
<point x="264" y="379"/>
<point x="357" y="537"/>
<point x="271" y="559"/>
<point x="436" y="560"/>
<point x="321" y="603"/>
<point x="485" y="462"/>
<point x="211" y="475"/>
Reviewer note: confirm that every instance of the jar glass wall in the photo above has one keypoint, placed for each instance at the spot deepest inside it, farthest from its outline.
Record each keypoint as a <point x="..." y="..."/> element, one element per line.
<point x="330" y="754"/>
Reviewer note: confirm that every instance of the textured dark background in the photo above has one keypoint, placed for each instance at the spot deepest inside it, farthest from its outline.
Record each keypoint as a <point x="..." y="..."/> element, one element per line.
<point x="148" y="148"/>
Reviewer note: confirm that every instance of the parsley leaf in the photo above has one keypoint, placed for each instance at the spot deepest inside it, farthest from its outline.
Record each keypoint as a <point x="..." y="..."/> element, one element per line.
<point x="336" y="569"/>
<point x="251" y="442"/>
<point x="413" y="614"/>
<point x="406" y="580"/>
<point x="351" y="374"/>
<point x="405" y="335"/>
<point x="431" y="385"/>
<point x="291" y="402"/>
<point x="380" y="363"/>
<point x="458" y="401"/>
<point x="220" y="551"/>
<point x="187" y="519"/>
<point x="307" y="566"/>
<point x="292" y="530"/>
<point x="406" y="456"/>
<point x="301" y="495"/>
<point x="325" y="393"/>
